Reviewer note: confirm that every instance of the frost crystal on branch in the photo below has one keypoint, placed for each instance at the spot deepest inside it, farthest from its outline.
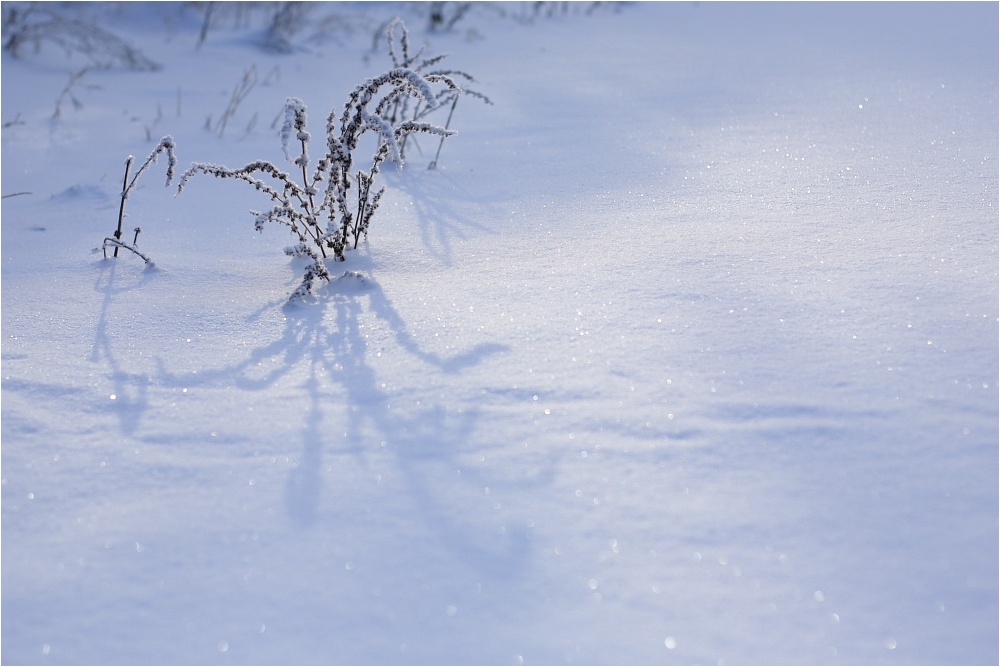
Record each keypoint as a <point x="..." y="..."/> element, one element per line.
<point x="166" y="144"/>
<point x="385" y="129"/>
<point x="295" y="120"/>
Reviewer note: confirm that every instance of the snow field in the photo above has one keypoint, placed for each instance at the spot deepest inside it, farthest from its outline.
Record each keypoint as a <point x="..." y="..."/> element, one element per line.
<point x="686" y="353"/>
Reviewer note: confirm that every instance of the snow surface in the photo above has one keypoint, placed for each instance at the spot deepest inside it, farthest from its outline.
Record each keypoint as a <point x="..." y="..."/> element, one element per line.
<point x="685" y="353"/>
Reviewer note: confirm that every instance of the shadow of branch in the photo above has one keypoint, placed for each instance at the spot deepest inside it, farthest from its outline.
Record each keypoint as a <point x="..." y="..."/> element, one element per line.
<point x="434" y="203"/>
<point x="325" y="342"/>
<point x="130" y="389"/>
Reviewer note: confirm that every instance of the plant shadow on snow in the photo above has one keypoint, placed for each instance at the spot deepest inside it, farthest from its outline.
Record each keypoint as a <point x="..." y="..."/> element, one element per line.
<point x="326" y="336"/>
<point x="130" y="398"/>
<point x="341" y="352"/>
<point x="438" y="219"/>
<point x="324" y="343"/>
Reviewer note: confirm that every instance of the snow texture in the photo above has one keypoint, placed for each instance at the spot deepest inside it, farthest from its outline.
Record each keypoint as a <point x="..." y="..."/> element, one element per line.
<point x="686" y="352"/>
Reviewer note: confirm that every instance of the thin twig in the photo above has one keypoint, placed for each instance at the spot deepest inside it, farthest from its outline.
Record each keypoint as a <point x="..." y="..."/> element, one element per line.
<point x="242" y="89"/>
<point x="119" y="244"/>
<point x="121" y="209"/>
<point x="434" y="162"/>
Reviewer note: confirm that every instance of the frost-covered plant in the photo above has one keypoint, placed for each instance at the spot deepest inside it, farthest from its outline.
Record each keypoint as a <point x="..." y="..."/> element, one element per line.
<point x="287" y="26"/>
<point x="286" y="22"/>
<point x="240" y="92"/>
<point x="416" y="109"/>
<point x="438" y="18"/>
<point x="166" y="145"/>
<point x="67" y="92"/>
<point x="34" y="26"/>
<point x="319" y="207"/>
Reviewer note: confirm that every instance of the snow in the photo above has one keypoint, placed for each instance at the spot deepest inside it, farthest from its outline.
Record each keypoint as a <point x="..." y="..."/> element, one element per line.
<point x="686" y="352"/>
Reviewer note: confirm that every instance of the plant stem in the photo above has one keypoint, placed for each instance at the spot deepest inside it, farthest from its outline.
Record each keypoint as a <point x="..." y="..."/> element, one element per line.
<point x="364" y="187"/>
<point x="312" y="204"/>
<point x="361" y="210"/>
<point x="447" y="123"/>
<point x="118" y="244"/>
<point x="121" y="209"/>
